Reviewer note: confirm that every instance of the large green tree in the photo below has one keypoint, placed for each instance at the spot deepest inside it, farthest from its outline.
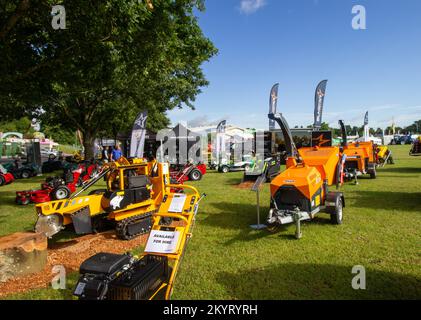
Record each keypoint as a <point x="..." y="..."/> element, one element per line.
<point x="115" y="58"/>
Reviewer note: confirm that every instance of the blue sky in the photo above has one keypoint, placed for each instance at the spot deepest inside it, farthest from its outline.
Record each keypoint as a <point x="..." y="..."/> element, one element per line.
<point x="301" y="42"/>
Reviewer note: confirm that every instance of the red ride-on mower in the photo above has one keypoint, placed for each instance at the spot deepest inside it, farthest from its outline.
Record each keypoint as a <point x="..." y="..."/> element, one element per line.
<point x="5" y="177"/>
<point x="89" y="170"/>
<point x="54" y="188"/>
<point x="188" y="172"/>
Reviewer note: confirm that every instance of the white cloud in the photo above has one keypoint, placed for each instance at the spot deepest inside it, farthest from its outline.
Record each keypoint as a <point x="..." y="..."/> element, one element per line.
<point x="251" y="6"/>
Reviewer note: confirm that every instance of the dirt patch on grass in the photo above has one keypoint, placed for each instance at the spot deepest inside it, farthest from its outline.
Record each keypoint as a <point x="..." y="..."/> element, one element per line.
<point x="245" y="185"/>
<point x="70" y="254"/>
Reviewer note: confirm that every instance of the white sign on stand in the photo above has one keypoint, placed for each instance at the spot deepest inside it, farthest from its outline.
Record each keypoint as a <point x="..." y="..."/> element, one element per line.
<point x="162" y="241"/>
<point x="177" y="203"/>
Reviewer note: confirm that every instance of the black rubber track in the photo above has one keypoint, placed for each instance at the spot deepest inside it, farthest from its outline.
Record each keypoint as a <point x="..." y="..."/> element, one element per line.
<point x="122" y="226"/>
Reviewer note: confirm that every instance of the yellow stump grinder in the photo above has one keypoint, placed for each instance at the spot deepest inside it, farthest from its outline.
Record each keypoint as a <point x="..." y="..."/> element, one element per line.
<point x="135" y="191"/>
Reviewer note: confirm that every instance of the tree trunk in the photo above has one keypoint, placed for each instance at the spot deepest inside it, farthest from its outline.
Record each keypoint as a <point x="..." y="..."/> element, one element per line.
<point x="88" y="145"/>
<point x="22" y="253"/>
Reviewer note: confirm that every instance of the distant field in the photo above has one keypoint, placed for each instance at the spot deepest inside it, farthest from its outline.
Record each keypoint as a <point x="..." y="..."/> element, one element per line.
<point x="227" y="260"/>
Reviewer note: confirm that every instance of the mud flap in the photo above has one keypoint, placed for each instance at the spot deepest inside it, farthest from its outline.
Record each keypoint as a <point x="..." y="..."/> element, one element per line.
<point x="82" y="221"/>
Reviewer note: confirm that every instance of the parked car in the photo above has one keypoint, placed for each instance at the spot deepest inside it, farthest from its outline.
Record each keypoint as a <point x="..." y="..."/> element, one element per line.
<point x="245" y="165"/>
<point x="406" y="140"/>
<point x="403" y="139"/>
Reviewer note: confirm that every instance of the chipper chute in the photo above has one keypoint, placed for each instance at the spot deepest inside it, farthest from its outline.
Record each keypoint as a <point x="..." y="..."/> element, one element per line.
<point x="108" y="276"/>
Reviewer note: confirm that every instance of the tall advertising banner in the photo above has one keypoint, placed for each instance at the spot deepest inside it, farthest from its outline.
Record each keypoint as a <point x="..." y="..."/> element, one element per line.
<point x="273" y="104"/>
<point x="137" y="142"/>
<point x="220" y="141"/>
<point x="366" y="128"/>
<point x="319" y="100"/>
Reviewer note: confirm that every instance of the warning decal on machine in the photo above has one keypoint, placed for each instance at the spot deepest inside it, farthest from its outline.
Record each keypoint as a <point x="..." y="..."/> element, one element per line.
<point x="162" y="241"/>
<point x="177" y="203"/>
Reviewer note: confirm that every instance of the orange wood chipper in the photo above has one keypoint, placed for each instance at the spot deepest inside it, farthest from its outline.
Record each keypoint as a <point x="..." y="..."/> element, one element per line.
<point x="302" y="190"/>
<point x="360" y="157"/>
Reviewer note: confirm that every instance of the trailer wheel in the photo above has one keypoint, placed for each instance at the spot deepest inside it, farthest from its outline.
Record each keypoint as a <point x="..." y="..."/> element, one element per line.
<point x="373" y="174"/>
<point x="337" y="216"/>
<point x="195" y="175"/>
<point x="224" y="169"/>
<point x="60" y="193"/>
<point x="273" y="227"/>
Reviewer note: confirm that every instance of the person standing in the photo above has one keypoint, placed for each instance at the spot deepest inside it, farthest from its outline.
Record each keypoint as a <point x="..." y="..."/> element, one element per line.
<point x="116" y="153"/>
<point x="110" y="153"/>
<point x="104" y="154"/>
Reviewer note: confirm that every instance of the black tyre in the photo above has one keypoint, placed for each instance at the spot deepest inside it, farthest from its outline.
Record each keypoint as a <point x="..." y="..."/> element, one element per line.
<point x="273" y="227"/>
<point x="247" y="167"/>
<point x="225" y="169"/>
<point x="337" y="216"/>
<point x="373" y="174"/>
<point x="25" y="174"/>
<point x="195" y="175"/>
<point x="60" y="193"/>
<point x="2" y="180"/>
<point x="339" y="174"/>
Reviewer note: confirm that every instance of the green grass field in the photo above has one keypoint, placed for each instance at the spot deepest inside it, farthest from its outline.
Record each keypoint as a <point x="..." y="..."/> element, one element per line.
<point x="227" y="260"/>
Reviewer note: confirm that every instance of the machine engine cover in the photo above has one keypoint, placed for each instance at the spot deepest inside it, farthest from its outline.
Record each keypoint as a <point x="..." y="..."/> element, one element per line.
<point x="104" y="263"/>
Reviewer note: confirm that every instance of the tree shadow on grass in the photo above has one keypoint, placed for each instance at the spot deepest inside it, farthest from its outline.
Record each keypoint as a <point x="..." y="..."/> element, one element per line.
<point x="7" y="197"/>
<point x="234" y="215"/>
<point x="406" y="170"/>
<point x="237" y="216"/>
<point x="311" y="281"/>
<point x="387" y="200"/>
<point x="233" y="181"/>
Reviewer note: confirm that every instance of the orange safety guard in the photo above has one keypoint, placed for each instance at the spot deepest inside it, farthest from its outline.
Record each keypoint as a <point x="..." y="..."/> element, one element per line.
<point x="305" y="178"/>
<point x="369" y="150"/>
<point x="324" y="159"/>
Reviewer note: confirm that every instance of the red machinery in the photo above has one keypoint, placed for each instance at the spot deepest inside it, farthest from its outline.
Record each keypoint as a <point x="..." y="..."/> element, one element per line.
<point x="5" y="177"/>
<point x="89" y="170"/>
<point x="57" y="188"/>
<point x="54" y="188"/>
<point x="188" y="172"/>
